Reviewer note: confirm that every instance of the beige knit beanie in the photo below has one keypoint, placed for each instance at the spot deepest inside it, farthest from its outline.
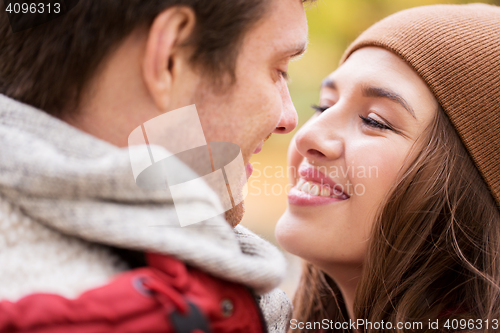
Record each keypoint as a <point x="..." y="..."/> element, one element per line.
<point x="456" y="50"/>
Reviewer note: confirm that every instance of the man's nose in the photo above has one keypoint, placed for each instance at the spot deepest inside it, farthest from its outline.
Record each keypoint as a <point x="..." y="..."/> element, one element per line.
<point x="289" y="117"/>
<point x="319" y="142"/>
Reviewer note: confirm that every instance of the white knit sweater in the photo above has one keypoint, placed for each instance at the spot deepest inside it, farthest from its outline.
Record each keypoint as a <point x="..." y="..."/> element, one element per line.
<point x="65" y="196"/>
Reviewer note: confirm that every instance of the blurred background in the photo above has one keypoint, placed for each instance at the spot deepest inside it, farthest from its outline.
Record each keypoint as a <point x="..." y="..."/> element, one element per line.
<point x="333" y="25"/>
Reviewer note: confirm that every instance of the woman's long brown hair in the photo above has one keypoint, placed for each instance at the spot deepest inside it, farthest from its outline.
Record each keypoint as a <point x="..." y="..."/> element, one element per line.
<point x="435" y="250"/>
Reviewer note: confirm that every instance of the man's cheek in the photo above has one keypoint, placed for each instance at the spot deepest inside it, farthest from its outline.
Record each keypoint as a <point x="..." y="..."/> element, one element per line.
<point x="270" y="104"/>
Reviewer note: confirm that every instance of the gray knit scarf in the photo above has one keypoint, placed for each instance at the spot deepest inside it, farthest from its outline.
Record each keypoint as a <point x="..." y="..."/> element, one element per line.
<point x="83" y="187"/>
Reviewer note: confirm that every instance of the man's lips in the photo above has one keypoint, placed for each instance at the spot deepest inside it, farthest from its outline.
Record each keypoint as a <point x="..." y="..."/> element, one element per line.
<point x="259" y="148"/>
<point x="249" y="168"/>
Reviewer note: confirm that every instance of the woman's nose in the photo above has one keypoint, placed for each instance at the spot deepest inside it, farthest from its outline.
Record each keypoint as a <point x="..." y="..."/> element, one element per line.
<point x="317" y="141"/>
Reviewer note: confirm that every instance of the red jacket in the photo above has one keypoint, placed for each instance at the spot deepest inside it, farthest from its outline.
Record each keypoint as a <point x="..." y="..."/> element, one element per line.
<point x="165" y="297"/>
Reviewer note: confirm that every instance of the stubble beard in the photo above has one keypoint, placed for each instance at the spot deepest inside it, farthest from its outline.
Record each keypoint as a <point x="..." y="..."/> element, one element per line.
<point x="205" y="89"/>
<point x="235" y="214"/>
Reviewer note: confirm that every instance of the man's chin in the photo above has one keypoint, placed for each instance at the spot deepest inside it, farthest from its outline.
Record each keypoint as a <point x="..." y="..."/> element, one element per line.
<point x="235" y="214"/>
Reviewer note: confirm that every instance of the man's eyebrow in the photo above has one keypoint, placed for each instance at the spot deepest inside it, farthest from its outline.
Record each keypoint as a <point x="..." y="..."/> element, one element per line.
<point x="296" y="50"/>
<point x="370" y="91"/>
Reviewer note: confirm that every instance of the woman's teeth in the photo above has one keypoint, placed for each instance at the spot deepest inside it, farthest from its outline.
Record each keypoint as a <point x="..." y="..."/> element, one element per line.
<point x="314" y="190"/>
<point x="317" y="190"/>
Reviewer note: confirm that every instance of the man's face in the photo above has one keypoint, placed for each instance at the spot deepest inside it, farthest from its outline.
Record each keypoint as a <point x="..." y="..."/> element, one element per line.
<point x="259" y="103"/>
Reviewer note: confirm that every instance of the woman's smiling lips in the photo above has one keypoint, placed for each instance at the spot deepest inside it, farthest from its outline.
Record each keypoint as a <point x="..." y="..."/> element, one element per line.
<point x="314" y="188"/>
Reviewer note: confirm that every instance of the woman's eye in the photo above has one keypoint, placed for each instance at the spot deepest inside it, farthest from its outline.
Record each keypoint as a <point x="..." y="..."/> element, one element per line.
<point x="374" y="124"/>
<point x="368" y="121"/>
<point x="319" y="108"/>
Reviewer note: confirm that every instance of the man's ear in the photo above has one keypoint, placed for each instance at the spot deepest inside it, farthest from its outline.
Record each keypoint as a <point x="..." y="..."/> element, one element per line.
<point x="164" y="56"/>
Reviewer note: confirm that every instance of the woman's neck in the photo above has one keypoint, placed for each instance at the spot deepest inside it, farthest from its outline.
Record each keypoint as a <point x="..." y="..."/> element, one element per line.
<point x="346" y="277"/>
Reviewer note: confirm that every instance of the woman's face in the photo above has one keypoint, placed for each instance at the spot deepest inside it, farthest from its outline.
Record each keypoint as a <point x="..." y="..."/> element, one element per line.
<point x="345" y="159"/>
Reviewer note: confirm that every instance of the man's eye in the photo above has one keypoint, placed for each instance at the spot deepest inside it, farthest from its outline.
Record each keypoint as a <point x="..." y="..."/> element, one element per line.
<point x="284" y="75"/>
<point x="374" y="124"/>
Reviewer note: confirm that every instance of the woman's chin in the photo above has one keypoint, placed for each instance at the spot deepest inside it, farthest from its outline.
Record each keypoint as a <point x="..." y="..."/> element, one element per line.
<point x="317" y="241"/>
<point x="283" y="232"/>
<point x="291" y="234"/>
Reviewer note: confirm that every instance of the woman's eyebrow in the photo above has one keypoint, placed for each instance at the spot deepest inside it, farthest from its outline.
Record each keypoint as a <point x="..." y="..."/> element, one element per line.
<point x="370" y="91"/>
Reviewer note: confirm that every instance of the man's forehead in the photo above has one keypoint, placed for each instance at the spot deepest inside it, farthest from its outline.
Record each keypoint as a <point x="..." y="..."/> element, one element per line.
<point x="284" y="29"/>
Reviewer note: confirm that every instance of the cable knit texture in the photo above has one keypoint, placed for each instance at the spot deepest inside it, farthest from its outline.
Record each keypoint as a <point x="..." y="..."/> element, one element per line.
<point x="65" y="196"/>
<point x="456" y="51"/>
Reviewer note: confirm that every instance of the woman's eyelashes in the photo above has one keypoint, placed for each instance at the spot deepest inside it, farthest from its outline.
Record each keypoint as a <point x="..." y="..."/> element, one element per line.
<point x="367" y="121"/>
<point x="374" y="123"/>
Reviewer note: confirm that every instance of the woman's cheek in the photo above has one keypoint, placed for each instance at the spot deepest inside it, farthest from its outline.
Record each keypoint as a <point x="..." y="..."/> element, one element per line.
<point x="389" y="169"/>
<point x="373" y="170"/>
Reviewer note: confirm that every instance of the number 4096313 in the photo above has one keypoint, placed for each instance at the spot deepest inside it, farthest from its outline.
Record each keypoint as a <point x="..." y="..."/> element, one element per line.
<point x="33" y="8"/>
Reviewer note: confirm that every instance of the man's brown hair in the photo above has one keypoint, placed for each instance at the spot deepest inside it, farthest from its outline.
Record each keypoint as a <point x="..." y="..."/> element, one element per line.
<point x="48" y="66"/>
